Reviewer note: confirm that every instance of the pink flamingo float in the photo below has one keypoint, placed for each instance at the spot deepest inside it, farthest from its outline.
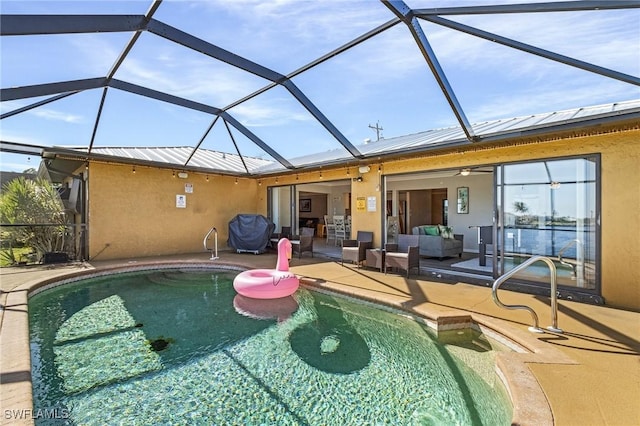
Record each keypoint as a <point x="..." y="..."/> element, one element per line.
<point x="269" y="283"/>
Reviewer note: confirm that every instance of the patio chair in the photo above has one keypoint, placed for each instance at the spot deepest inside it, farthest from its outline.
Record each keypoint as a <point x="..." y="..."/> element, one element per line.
<point x="356" y="250"/>
<point x="303" y="242"/>
<point x="330" y="228"/>
<point x="340" y="225"/>
<point x="285" y="232"/>
<point x="403" y="255"/>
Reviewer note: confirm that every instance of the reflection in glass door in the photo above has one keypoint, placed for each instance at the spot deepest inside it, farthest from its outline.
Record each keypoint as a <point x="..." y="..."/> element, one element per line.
<point x="549" y="208"/>
<point x="280" y="207"/>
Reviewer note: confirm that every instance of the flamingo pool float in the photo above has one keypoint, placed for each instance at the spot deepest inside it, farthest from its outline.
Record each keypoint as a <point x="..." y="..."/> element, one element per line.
<point x="269" y="283"/>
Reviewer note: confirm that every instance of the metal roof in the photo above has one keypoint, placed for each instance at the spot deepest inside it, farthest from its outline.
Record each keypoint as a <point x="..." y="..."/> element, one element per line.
<point x="437" y="138"/>
<point x="177" y="156"/>
<point x="229" y="163"/>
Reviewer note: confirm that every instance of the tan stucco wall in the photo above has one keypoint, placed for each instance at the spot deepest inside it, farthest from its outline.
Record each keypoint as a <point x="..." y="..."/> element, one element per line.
<point x="135" y="214"/>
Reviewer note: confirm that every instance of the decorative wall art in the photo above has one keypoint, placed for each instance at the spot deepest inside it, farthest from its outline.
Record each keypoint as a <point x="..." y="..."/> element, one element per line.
<point x="305" y="204"/>
<point x="463" y="200"/>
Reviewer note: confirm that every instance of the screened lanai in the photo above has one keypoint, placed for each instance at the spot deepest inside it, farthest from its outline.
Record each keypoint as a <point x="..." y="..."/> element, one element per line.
<point x="259" y="88"/>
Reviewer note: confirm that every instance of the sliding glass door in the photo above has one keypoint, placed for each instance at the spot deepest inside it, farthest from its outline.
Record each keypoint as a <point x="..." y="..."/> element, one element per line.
<point x="549" y="208"/>
<point x="280" y="207"/>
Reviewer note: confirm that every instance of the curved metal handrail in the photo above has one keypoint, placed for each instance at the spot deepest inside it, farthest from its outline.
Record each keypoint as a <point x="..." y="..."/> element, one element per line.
<point x="554" y="293"/>
<point x="215" y="247"/>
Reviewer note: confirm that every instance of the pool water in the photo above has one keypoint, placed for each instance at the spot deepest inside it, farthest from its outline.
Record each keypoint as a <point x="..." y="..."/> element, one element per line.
<point x="181" y="347"/>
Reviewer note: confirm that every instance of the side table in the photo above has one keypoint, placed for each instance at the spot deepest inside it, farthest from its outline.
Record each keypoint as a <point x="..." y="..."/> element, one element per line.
<point x="375" y="258"/>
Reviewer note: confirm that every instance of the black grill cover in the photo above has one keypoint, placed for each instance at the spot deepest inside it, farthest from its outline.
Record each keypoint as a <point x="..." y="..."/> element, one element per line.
<point x="250" y="232"/>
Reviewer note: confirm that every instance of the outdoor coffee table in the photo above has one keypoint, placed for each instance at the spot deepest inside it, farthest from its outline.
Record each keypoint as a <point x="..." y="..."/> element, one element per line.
<point x="375" y="259"/>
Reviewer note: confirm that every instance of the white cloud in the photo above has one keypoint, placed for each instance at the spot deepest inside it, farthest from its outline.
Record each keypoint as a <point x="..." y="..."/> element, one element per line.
<point x="96" y="52"/>
<point x="606" y="39"/>
<point x="271" y="113"/>
<point x="544" y="99"/>
<point x="19" y="137"/>
<point x="50" y="114"/>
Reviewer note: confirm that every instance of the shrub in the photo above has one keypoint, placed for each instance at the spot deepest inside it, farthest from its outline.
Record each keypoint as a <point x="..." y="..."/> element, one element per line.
<point x="36" y="206"/>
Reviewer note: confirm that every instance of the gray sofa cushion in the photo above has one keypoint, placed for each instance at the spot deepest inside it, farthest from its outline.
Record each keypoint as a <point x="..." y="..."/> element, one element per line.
<point x="438" y="246"/>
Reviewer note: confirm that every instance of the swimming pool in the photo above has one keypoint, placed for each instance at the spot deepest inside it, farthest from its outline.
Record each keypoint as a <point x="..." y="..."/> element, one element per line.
<point x="180" y="346"/>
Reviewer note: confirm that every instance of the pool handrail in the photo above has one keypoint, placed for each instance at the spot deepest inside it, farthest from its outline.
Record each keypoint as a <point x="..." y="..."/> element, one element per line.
<point x="554" y="293"/>
<point x="215" y="246"/>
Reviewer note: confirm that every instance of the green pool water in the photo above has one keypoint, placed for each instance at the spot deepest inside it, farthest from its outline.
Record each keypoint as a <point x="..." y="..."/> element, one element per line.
<point x="181" y="347"/>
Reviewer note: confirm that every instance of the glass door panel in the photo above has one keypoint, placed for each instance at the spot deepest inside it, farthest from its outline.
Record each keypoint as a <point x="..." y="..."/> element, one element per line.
<point x="280" y="207"/>
<point x="549" y="208"/>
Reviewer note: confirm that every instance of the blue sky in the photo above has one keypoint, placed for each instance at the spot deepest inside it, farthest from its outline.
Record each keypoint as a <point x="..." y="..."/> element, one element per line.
<point x="383" y="80"/>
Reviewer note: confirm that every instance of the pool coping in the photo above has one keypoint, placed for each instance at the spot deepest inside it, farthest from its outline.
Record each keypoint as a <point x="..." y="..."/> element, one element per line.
<point x="530" y="404"/>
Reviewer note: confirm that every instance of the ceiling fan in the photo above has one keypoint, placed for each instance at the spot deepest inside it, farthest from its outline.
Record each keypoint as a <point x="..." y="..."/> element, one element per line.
<point x="469" y="170"/>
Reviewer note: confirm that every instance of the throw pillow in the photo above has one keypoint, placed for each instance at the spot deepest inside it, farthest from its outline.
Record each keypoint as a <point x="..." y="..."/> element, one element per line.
<point x="446" y="232"/>
<point x="432" y="230"/>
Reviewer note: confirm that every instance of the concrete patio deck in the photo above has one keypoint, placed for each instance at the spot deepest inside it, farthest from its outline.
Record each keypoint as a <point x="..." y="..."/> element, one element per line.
<point x="589" y="375"/>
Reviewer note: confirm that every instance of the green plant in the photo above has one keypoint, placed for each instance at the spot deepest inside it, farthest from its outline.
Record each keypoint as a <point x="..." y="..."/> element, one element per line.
<point x="13" y="256"/>
<point x="8" y="257"/>
<point x="37" y="213"/>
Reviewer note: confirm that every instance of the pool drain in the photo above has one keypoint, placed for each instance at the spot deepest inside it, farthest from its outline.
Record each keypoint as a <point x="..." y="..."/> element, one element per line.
<point x="159" y="344"/>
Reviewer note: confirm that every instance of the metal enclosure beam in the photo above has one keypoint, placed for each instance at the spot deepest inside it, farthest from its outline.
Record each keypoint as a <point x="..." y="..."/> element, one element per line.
<point x="180" y="37"/>
<point x="17" y="25"/>
<point x="48" y="89"/>
<point x="402" y="11"/>
<point x="162" y="96"/>
<point x="244" y="164"/>
<point x="313" y="110"/>
<point x="35" y="105"/>
<point x="534" y="50"/>
<point x="187" y="40"/>
<point x="186" y="103"/>
<point x="561" y="6"/>
<point x="266" y="148"/>
<point x="204" y="136"/>
<point x="119" y="60"/>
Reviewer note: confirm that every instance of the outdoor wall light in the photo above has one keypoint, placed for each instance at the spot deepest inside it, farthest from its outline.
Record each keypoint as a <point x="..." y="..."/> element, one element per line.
<point x="364" y="169"/>
<point x="183" y="175"/>
<point x="465" y="172"/>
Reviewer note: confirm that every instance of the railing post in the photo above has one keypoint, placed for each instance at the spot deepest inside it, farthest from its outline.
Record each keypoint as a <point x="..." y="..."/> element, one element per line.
<point x="215" y="247"/>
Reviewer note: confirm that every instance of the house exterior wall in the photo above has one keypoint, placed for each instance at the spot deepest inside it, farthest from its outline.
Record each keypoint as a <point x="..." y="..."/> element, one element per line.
<point x="134" y="215"/>
<point x="620" y="198"/>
